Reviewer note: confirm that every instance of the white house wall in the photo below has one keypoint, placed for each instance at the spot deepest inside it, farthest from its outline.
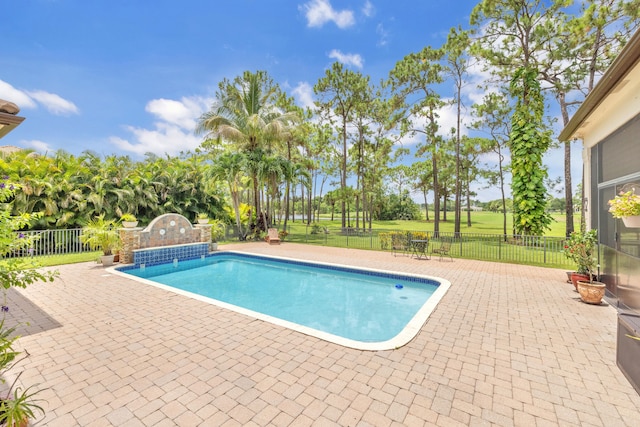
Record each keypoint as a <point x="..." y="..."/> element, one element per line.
<point x="620" y="106"/>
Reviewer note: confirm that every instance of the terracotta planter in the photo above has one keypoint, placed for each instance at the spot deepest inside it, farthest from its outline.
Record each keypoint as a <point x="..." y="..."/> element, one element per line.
<point x="631" y="221"/>
<point x="591" y="293"/>
<point x="578" y="276"/>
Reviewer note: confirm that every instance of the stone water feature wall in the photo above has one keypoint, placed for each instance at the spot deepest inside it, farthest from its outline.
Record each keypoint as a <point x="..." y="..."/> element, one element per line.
<point x="166" y="238"/>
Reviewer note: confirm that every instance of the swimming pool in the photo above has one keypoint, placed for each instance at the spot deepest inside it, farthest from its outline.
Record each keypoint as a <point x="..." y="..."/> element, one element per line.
<point x="365" y="309"/>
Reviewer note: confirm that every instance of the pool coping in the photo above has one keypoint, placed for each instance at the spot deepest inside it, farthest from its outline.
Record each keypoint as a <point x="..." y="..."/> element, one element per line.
<point x="405" y="336"/>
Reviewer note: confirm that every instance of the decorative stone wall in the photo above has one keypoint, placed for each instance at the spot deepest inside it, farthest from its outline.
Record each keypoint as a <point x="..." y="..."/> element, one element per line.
<point x="164" y="231"/>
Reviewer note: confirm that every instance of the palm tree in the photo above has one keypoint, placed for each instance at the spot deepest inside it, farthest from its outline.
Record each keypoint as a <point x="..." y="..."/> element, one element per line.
<point x="229" y="167"/>
<point x="246" y="116"/>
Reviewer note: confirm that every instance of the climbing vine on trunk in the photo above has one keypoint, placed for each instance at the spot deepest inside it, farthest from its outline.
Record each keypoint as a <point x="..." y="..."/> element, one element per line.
<point x="529" y="141"/>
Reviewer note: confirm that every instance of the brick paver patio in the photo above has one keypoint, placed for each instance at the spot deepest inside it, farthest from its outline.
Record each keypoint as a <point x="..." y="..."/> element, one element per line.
<point x="508" y="345"/>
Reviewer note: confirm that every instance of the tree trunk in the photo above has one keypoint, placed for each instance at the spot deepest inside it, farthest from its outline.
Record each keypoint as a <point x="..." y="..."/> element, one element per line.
<point x="343" y="172"/>
<point x="468" y="185"/>
<point x="436" y="194"/>
<point x="426" y="204"/>
<point x="302" y="210"/>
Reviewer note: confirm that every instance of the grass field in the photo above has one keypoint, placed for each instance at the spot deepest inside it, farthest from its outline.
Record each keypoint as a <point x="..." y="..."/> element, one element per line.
<point x="483" y="240"/>
<point x="481" y="222"/>
<point x="53" y="260"/>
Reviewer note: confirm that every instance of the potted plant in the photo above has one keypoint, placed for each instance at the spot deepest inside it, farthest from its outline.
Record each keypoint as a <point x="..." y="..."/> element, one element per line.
<point x="129" y="220"/>
<point x="102" y="234"/>
<point x="17" y="406"/>
<point x="203" y="218"/>
<point x="218" y="228"/>
<point x="579" y="249"/>
<point x="626" y="206"/>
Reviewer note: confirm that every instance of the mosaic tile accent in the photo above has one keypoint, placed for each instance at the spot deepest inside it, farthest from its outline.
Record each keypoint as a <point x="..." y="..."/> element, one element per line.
<point x="167" y="254"/>
<point x="211" y="256"/>
<point x="341" y="268"/>
<point x="164" y="231"/>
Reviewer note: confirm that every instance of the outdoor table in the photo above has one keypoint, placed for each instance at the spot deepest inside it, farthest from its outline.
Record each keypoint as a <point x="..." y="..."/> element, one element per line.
<point x="419" y="248"/>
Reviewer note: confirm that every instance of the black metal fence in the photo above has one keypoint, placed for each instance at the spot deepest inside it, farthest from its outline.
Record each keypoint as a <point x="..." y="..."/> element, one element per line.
<point x="534" y="250"/>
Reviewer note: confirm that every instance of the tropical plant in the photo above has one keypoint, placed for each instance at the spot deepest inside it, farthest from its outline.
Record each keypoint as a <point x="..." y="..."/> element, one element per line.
<point x="529" y="141"/>
<point x="17" y="405"/>
<point x="16" y="272"/>
<point x="247" y="117"/>
<point x="101" y="234"/>
<point x="625" y="205"/>
<point x="128" y="217"/>
<point x="228" y="167"/>
<point x="581" y="249"/>
<point x="218" y="228"/>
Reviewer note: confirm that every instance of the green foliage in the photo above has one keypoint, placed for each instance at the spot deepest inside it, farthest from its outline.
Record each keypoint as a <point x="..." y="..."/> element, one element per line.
<point x="624" y="205"/>
<point x="316" y="228"/>
<point x="16" y="272"/>
<point x="128" y="217"/>
<point x="399" y="208"/>
<point x="247" y="122"/>
<point x="218" y="228"/>
<point x="400" y="239"/>
<point x="529" y="141"/>
<point x="101" y="234"/>
<point x="69" y="190"/>
<point x="17" y="404"/>
<point x="581" y="249"/>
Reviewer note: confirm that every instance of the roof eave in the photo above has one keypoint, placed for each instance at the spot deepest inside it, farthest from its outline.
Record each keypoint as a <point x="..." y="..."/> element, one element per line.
<point x="616" y="72"/>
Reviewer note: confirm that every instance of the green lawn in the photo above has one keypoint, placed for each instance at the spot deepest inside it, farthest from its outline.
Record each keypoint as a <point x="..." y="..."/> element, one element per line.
<point x="482" y="241"/>
<point x="481" y="222"/>
<point x="52" y="260"/>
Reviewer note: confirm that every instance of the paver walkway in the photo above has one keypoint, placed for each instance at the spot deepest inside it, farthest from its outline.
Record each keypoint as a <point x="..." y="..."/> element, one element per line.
<point x="508" y="345"/>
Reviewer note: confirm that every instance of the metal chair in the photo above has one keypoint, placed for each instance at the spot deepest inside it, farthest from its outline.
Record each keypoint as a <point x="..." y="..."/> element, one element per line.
<point x="443" y="250"/>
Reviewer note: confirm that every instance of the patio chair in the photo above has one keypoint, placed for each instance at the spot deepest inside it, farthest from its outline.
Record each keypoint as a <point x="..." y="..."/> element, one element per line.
<point x="272" y="236"/>
<point x="398" y="243"/>
<point x="443" y="250"/>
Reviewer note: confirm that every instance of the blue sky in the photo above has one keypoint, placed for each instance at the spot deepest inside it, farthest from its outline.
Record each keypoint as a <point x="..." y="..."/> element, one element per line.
<point x="130" y="77"/>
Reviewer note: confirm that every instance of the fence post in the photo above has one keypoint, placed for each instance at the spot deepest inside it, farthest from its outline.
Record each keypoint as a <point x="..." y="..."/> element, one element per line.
<point x="544" y="239"/>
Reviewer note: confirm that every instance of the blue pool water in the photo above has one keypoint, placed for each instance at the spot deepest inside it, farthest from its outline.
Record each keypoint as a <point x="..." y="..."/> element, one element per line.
<point x="359" y="305"/>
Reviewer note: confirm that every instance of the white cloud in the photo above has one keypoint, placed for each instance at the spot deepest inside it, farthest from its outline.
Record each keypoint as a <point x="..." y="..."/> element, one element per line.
<point x="447" y="119"/>
<point x="18" y="97"/>
<point x="55" y="104"/>
<point x="319" y="12"/>
<point x="181" y="113"/>
<point x="172" y="133"/>
<point x="368" y="9"/>
<point x="39" y="146"/>
<point x="304" y="94"/>
<point x="382" y="34"/>
<point x="347" y="58"/>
